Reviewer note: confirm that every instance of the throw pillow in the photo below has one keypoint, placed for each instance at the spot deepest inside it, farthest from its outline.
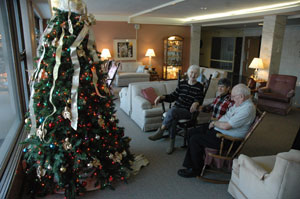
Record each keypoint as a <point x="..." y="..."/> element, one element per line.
<point x="140" y="69"/>
<point x="202" y="79"/>
<point x="215" y="74"/>
<point x="149" y="94"/>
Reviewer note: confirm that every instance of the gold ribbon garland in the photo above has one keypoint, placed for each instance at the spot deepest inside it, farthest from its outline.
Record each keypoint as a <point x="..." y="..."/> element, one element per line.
<point x="69" y="20"/>
<point x="75" y="79"/>
<point x="92" y="50"/>
<point x="35" y="75"/>
<point x="55" y="73"/>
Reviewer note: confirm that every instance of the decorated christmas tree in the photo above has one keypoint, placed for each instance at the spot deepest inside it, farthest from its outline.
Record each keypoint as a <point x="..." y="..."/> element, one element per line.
<point x="74" y="140"/>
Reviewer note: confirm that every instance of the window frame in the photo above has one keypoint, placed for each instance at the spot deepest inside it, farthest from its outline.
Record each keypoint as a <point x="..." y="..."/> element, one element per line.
<point x="12" y="22"/>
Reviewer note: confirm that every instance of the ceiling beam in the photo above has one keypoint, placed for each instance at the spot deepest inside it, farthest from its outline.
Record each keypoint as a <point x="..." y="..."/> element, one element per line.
<point x="153" y="9"/>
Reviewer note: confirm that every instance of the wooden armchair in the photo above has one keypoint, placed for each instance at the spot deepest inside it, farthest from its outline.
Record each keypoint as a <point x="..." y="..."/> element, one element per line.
<point x="184" y="124"/>
<point x="222" y="159"/>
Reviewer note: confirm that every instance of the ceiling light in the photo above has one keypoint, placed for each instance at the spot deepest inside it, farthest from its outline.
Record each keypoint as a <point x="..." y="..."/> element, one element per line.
<point x="246" y="11"/>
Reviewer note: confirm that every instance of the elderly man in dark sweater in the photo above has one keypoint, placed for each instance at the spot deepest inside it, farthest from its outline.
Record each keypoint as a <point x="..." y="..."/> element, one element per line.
<point x="187" y="96"/>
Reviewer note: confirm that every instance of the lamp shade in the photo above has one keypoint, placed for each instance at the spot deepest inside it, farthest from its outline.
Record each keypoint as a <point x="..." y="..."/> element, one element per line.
<point x="150" y="53"/>
<point x="105" y="53"/>
<point x="256" y="63"/>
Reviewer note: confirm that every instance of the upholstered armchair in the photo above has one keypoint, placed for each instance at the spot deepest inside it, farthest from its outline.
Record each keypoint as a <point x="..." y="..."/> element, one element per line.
<point x="272" y="177"/>
<point x="277" y="96"/>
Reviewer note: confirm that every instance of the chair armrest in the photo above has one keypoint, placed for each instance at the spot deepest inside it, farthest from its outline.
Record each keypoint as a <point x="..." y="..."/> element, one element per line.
<point x="264" y="90"/>
<point x="290" y="94"/>
<point x="254" y="169"/>
<point x="227" y="137"/>
<point x="123" y="92"/>
<point x="141" y="103"/>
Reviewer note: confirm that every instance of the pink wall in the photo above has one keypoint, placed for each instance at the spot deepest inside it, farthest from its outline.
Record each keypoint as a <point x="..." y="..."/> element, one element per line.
<point x="148" y="36"/>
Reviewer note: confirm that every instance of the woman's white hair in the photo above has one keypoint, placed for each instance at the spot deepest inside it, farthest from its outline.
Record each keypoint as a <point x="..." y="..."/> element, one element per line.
<point x="194" y="68"/>
<point x="242" y="89"/>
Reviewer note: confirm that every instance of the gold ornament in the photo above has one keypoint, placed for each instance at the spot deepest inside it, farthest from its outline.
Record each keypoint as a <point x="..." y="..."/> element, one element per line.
<point x="27" y="120"/>
<point x="63" y="169"/>
<point x="67" y="113"/>
<point x="100" y="120"/>
<point x="69" y="101"/>
<point x="96" y="162"/>
<point x="41" y="132"/>
<point x="112" y="119"/>
<point x="117" y="157"/>
<point x="80" y="51"/>
<point x="40" y="171"/>
<point x="124" y="153"/>
<point x="67" y="145"/>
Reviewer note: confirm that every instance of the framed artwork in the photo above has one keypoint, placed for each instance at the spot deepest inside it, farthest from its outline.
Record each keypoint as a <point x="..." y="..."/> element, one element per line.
<point x="125" y="49"/>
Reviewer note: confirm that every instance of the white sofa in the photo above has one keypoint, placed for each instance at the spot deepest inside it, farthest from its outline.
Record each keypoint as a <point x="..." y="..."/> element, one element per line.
<point x="145" y="115"/>
<point x="127" y="74"/>
<point x="272" y="177"/>
<point x="148" y="117"/>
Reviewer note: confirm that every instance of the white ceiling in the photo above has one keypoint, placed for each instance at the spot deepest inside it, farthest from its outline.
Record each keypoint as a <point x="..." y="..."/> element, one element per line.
<point x="147" y="12"/>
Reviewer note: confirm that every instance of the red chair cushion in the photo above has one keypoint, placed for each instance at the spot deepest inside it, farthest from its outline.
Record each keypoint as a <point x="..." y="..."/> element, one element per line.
<point x="149" y="94"/>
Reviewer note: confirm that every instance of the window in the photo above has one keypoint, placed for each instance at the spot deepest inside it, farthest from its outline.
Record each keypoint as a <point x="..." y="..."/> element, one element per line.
<point x="222" y="53"/>
<point x="12" y="79"/>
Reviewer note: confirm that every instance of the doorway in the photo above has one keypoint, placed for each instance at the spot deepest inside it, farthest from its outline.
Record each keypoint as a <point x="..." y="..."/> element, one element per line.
<point x="251" y="50"/>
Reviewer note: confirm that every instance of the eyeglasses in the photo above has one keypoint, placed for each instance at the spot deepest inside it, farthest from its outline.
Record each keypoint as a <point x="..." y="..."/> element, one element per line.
<point x="233" y="96"/>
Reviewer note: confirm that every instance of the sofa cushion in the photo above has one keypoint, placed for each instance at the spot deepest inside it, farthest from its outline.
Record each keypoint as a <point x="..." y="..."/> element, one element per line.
<point x="149" y="94"/>
<point x="132" y="75"/>
<point x="140" y="69"/>
<point x="170" y="86"/>
<point x="153" y="112"/>
<point x="129" y="66"/>
<point x="274" y="97"/>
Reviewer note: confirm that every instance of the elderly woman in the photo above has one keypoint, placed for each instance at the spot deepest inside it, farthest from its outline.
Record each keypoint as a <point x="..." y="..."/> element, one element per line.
<point x="187" y="96"/>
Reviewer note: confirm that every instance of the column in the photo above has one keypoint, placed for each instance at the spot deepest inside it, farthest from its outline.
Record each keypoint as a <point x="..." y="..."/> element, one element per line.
<point x="195" y="44"/>
<point x="271" y="45"/>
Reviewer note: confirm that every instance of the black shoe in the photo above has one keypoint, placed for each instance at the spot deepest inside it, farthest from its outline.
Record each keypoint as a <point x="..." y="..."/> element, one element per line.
<point x="187" y="173"/>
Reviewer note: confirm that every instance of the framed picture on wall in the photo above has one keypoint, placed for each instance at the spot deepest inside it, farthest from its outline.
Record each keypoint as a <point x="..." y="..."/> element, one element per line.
<point x="125" y="49"/>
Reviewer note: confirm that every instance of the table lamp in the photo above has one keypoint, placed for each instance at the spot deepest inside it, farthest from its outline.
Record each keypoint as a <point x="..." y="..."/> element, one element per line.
<point x="105" y="54"/>
<point x="256" y="64"/>
<point x="150" y="53"/>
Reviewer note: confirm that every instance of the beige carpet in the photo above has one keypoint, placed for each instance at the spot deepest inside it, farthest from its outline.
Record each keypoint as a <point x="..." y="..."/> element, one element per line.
<point x="159" y="180"/>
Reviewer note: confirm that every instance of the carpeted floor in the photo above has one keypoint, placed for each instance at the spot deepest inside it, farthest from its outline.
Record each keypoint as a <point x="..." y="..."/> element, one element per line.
<point x="159" y="180"/>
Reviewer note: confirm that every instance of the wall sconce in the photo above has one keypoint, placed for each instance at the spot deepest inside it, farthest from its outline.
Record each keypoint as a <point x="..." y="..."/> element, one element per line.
<point x="150" y="53"/>
<point x="257" y="64"/>
<point x="105" y="54"/>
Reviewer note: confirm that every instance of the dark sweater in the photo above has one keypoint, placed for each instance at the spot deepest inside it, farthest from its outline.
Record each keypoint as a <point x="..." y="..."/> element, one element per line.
<point x="185" y="95"/>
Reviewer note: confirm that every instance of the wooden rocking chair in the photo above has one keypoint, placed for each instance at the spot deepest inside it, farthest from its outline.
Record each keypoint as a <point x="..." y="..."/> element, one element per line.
<point x="222" y="159"/>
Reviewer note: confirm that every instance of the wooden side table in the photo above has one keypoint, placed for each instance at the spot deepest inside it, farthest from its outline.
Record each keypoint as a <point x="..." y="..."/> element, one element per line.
<point x="154" y="76"/>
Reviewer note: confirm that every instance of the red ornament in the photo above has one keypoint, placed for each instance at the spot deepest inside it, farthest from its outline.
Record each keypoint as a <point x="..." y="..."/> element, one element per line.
<point x="110" y="178"/>
<point x="54" y="54"/>
<point x="40" y="153"/>
<point x="84" y="183"/>
<point x="51" y="124"/>
<point x="39" y="104"/>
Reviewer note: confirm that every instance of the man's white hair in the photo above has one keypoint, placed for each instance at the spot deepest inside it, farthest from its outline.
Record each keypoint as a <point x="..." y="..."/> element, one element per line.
<point x="242" y="89"/>
<point x="195" y="68"/>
